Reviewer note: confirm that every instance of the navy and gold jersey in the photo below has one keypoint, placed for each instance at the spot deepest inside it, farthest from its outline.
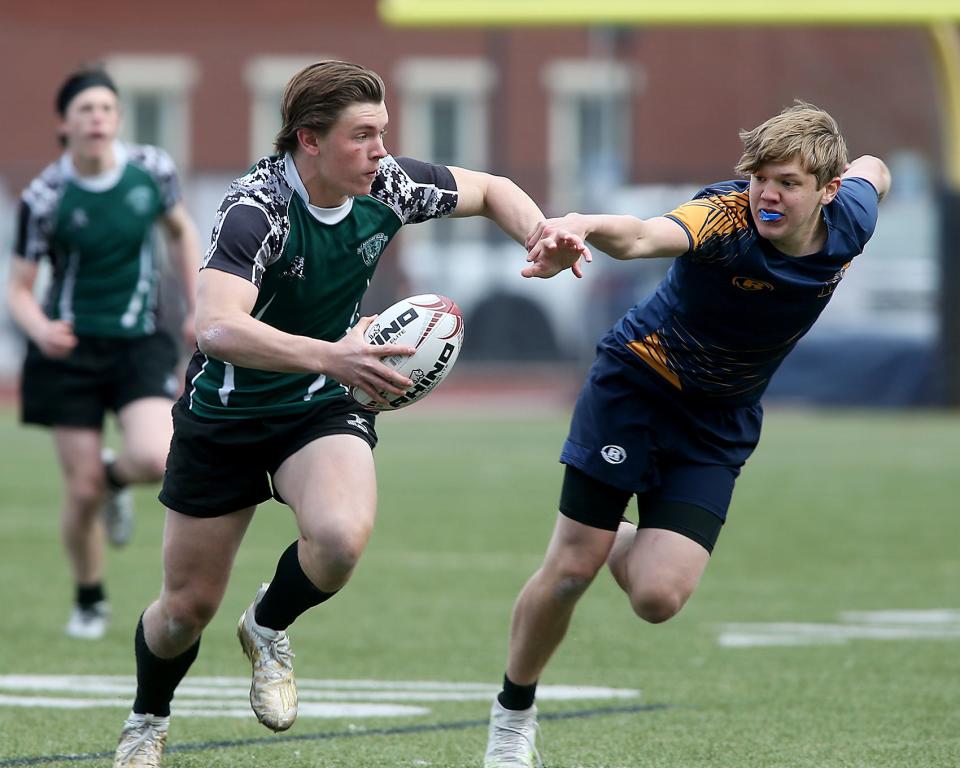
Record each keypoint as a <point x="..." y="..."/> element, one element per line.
<point x="98" y="234"/>
<point x="731" y="308"/>
<point x="311" y="266"/>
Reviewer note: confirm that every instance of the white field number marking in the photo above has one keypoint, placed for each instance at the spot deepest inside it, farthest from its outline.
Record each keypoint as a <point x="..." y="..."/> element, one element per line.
<point x="939" y="624"/>
<point x="228" y="696"/>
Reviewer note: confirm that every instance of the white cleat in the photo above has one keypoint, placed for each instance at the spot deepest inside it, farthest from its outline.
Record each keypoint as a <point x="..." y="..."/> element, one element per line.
<point x="273" y="691"/>
<point x="512" y="740"/>
<point x="117" y="508"/>
<point x="141" y="741"/>
<point x="89" y="622"/>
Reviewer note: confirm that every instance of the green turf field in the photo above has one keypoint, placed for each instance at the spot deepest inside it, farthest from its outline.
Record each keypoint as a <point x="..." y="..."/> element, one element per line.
<point x="836" y="513"/>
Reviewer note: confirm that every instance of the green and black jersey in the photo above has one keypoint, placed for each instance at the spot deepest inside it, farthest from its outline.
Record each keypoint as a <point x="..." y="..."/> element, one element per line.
<point x="98" y="234"/>
<point x="311" y="265"/>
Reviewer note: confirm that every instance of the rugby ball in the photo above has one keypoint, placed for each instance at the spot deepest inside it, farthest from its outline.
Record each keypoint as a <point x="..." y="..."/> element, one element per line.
<point x="432" y="325"/>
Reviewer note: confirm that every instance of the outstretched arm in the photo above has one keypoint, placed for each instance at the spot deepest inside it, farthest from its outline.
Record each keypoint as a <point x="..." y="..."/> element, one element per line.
<point x="503" y="202"/>
<point x="497" y="198"/>
<point x="555" y="241"/>
<point x="873" y="169"/>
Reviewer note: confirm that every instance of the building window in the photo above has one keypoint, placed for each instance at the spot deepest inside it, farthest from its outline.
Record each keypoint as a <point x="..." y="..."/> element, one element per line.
<point x="589" y="131"/>
<point x="444" y="120"/>
<point x="155" y="100"/>
<point x="267" y="76"/>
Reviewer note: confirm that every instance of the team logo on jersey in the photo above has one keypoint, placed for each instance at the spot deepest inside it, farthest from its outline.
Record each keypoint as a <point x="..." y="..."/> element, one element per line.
<point x="372" y="247"/>
<point x="295" y="269"/>
<point x="140" y="199"/>
<point x="356" y="420"/>
<point x="750" y="284"/>
<point x="79" y="218"/>
<point x="831" y="285"/>
<point x="613" y="454"/>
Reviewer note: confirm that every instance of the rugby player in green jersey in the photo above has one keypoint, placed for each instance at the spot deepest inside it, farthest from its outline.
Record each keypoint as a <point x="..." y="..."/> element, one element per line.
<point x="265" y="411"/>
<point x="94" y="342"/>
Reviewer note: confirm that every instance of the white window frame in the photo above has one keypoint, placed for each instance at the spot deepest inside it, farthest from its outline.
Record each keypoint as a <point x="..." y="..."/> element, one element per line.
<point x="566" y="81"/>
<point x="266" y="77"/>
<point x="471" y="80"/>
<point x="172" y="78"/>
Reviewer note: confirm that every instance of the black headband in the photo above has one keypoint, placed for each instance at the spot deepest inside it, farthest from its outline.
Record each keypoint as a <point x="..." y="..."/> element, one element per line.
<point x="80" y="82"/>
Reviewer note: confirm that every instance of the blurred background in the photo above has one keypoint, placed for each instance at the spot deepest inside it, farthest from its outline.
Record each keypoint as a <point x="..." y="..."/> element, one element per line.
<point x="595" y="118"/>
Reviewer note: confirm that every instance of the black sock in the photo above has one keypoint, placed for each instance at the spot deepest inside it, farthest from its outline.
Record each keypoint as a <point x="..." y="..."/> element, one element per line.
<point x="158" y="678"/>
<point x="115" y="483"/>
<point x="515" y="696"/>
<point x="290" y="593"/>
<point x="89" y="595"/>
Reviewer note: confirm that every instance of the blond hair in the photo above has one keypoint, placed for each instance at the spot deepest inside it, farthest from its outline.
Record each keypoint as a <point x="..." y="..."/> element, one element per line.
<point x="801" y="131"/>
<point x="317" y="94"/>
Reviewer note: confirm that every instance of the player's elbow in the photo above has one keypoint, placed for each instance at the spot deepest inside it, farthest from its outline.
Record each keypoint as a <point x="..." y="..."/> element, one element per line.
<point x="627" y="250"/>
<point x="212" y="337"/>
<point x="12" y="293"/>
<point x="18" y="296"/>
<point x="633" y="249"/>
<point x="883" y="184"/>
<point x="497" y="184"/>
<point x="874" y="170"/>
<point x="499" y="188"/>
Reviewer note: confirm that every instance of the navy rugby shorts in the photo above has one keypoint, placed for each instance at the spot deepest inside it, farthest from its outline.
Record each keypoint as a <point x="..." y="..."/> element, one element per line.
<point x="633" y="431"/>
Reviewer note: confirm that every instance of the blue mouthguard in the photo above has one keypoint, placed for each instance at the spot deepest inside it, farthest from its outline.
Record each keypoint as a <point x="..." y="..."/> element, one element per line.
<point x="768" y="216"/>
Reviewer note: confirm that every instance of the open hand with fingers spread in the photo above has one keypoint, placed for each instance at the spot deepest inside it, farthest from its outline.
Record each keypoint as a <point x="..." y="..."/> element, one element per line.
<point x="556" y="245"/>
<point x="356" y="363"/>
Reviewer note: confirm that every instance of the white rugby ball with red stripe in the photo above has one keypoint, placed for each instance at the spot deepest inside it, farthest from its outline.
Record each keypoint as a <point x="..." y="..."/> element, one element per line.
<point x="430" y="323"/>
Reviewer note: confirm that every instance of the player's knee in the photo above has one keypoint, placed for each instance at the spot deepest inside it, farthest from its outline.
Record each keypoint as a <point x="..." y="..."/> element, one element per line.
<point x="148" y="467"/>
<point x="187" y="616"/>
<point x="571" y="586"/>
<point x="86" y="491"/>
<point x="570" y="581"/>
<point x="332" y="551"/>
<point x="657" y="605"/>
<point x="153" y="467"/>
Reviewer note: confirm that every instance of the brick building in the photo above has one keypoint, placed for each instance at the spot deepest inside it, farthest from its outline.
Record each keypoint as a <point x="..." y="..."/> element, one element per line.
<point x="574" y="115"/>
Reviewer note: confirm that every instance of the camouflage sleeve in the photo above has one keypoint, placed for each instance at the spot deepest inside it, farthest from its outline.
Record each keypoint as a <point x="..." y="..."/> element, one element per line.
<point x="415" y="190"/>
<point x="162" y="169"/>
<point x="35" y="219"/>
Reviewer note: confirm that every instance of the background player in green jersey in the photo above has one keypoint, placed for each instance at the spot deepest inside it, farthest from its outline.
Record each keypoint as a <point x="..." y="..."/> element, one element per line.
<point x="266" y="411"/>
<point x="94" y="344"/>
<point x="671" y="407"/>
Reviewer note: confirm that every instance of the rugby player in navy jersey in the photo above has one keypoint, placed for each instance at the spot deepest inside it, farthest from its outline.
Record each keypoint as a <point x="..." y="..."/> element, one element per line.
<point x="95" y="341"/>
<point x="671" y="408"/>
<point x="265" y="411"/>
